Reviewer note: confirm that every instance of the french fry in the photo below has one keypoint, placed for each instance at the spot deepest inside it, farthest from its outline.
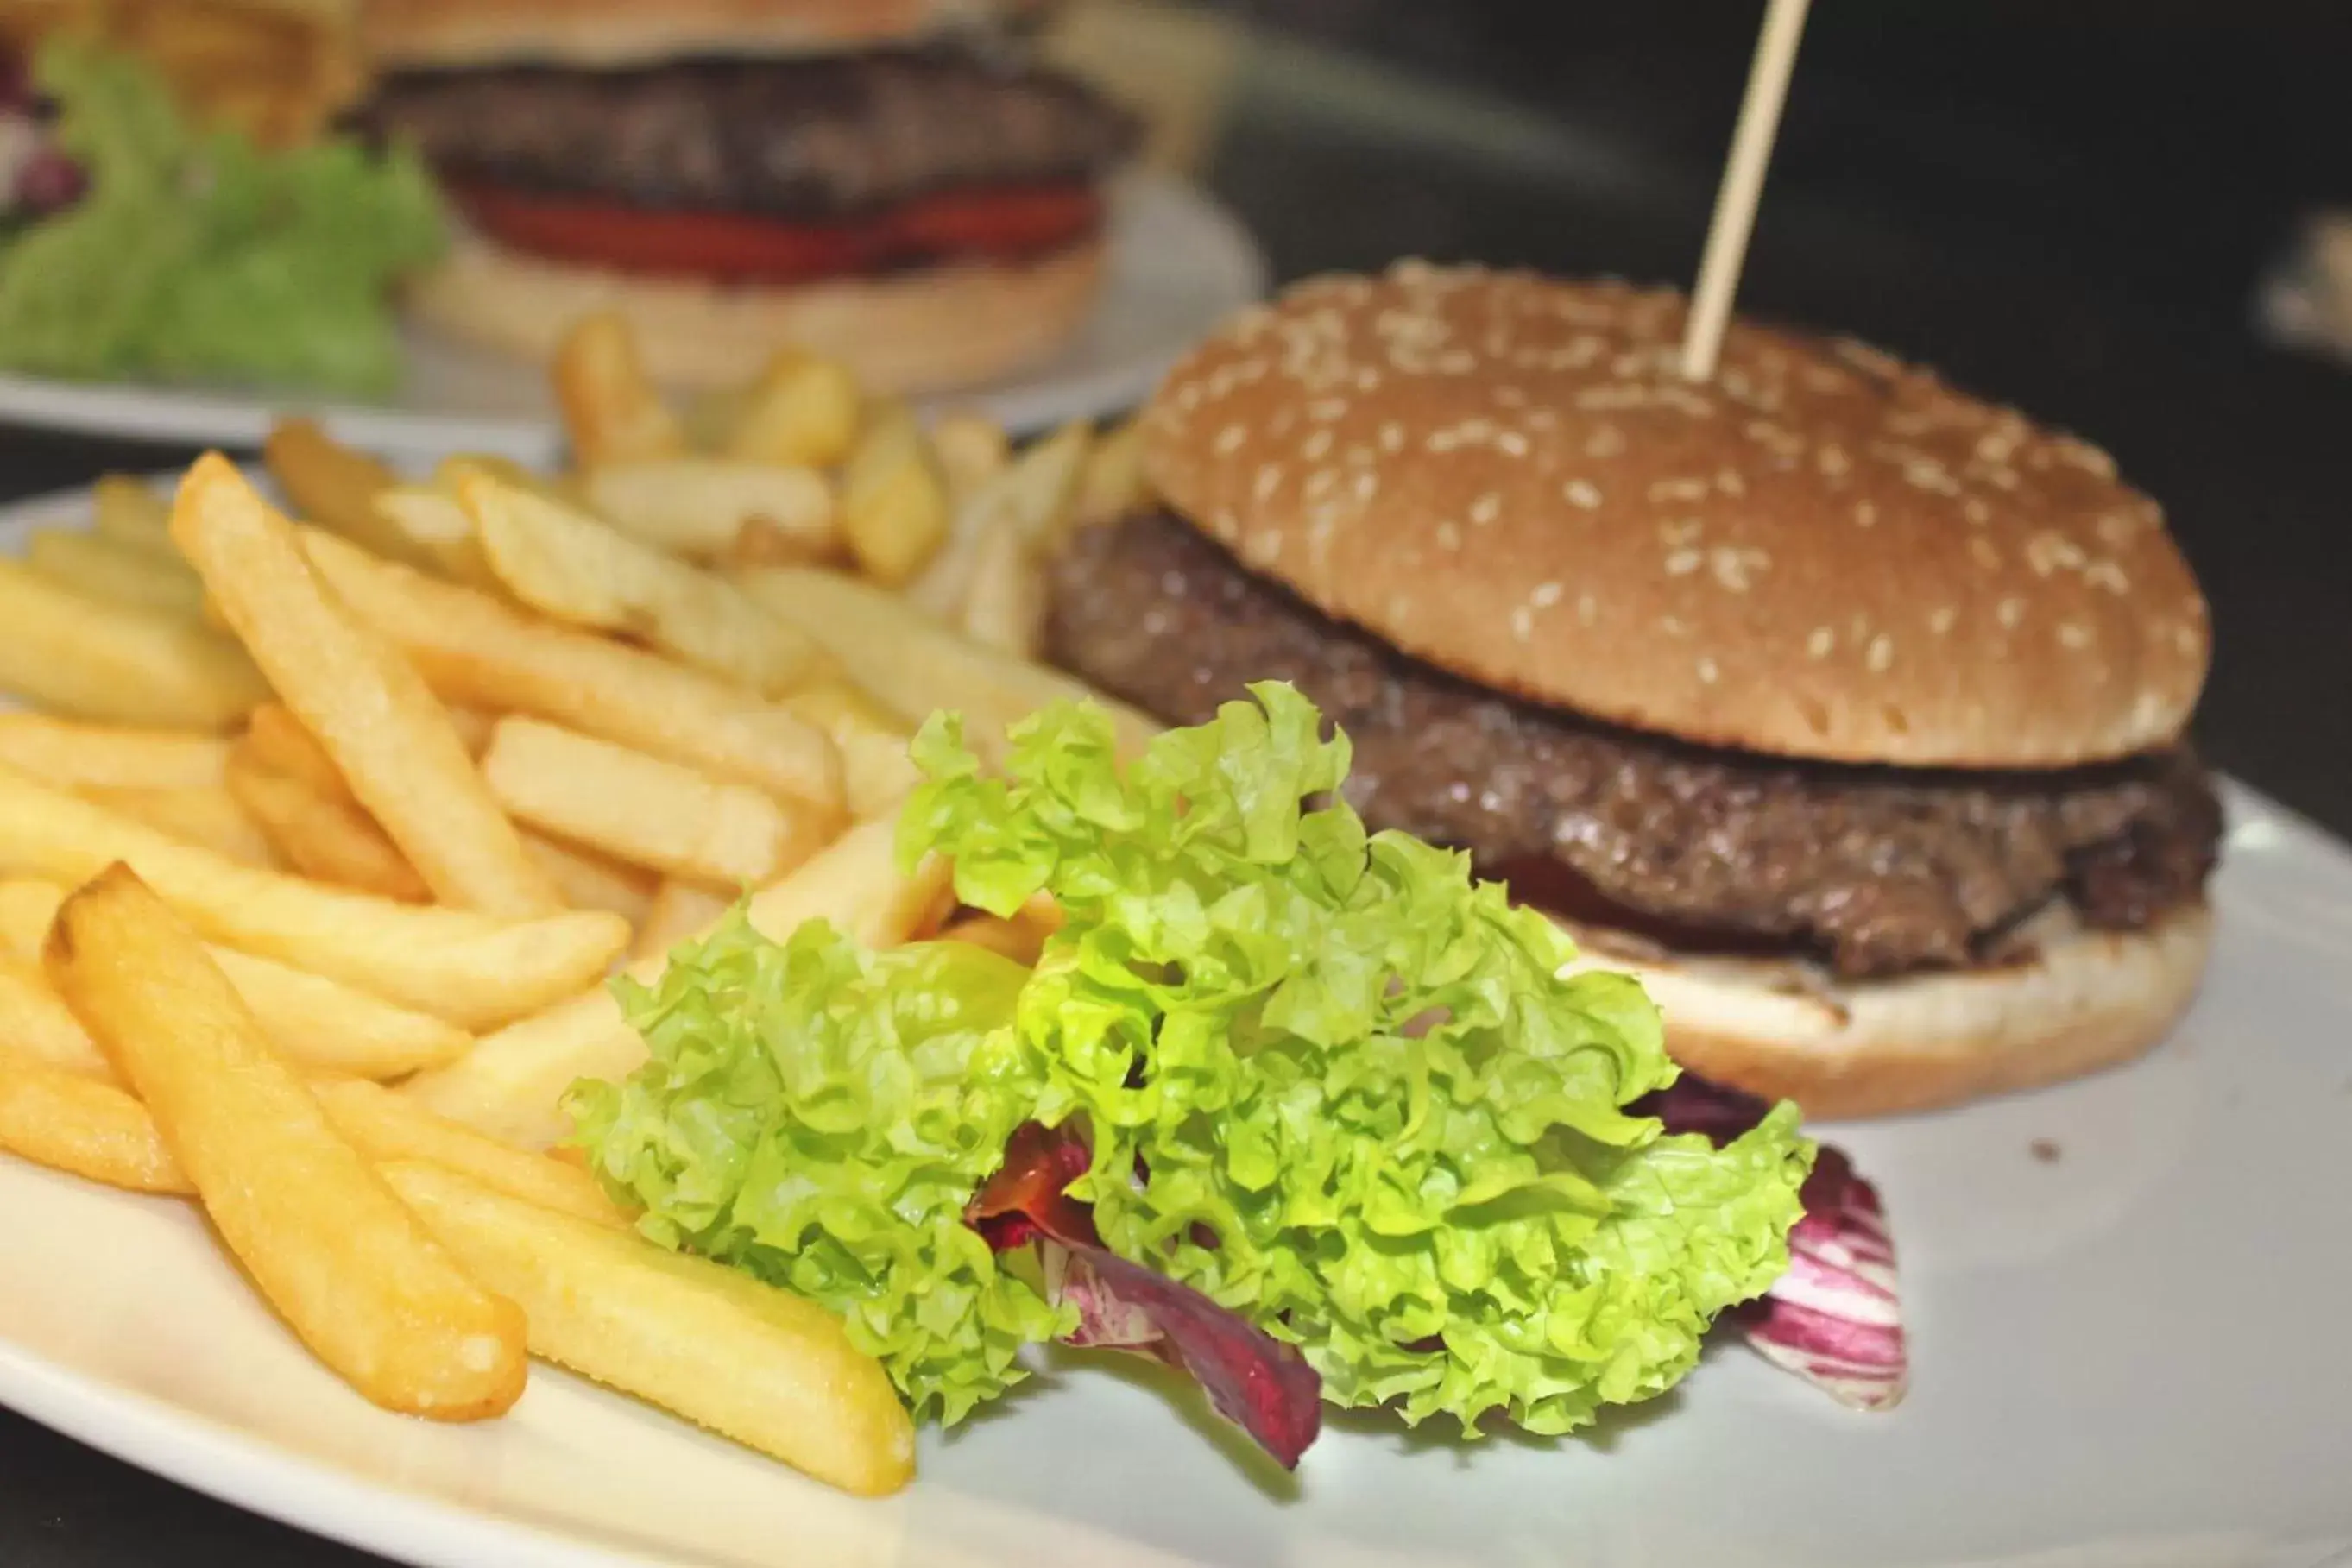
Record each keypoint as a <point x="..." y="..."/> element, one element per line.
<point x="473" y="649"/>
<point x="321" y="1025"/>
<point x="111" y="756"/>
<point x="116" y="573"/>
<point x="33" y="1024"/>
<point x="1112" y="486"/>
<point x="801" y="412"/>
<point x="1028" y="497"/>
<point x="701" y="507"/>
<point x="276" y="740"/>
<point x="591" y="881"/>
<point x="85" y="659"/>
<point x="385" y="1126"/>
<point x="322" y="837"/>
<point x="894" y="497"/>
<point x="473" y="725"/>
<point x="340" y="1259"/>
<point x="209" y="817"/>
<point x="972" y="448"/>
<point x="1005" y="606"/>
<point x="573" y="569"/>
<point x="129" y="511"/>
<point x="330" y="485"/>
<point x="440" y="534"/>
<point x="389" y="737"/>
<point x="469" y="969"/>
<point x="1012" y="939"/>
<point x="83" y="1126"/>
<point x="610" y="411"/>
<point x="512" y="1085"/>
<point x="648" y="812"/>
<point x="744" y="1359"/>
<point x="679" y="910"/>
<point x="876" y="769"/>
<point x="917" y="665"/>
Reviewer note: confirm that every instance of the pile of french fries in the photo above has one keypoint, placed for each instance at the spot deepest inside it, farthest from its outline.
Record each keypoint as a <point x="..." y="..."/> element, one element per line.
<point x="323" y="829"/>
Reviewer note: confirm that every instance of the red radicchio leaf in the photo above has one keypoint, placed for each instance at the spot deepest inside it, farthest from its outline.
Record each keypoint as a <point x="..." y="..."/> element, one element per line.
<point x="1835" y="1318"/>
<point x="1253" y="1379"/>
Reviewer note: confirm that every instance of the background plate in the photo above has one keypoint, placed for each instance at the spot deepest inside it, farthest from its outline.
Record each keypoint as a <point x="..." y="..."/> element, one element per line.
<point x="1179" y="262"/>
<point x="2126" y="1355"/>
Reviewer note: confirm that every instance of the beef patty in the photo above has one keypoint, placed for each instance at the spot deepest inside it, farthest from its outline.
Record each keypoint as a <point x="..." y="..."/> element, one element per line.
<point x="805" y="139"/>
<point x="1875" y="870"/>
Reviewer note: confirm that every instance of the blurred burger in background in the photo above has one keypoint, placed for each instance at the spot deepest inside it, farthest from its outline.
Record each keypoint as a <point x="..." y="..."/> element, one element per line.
<point x="1844" y="710"/>
<point x="891" y="183"/>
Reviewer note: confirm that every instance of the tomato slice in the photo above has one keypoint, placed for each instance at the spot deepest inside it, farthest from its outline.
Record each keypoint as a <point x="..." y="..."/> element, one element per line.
<point x="745" y="247"/>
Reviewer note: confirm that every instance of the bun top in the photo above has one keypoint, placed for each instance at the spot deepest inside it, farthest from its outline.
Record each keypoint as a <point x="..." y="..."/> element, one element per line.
<point x="402" y="34"/>
<point x="1823" y="553"/>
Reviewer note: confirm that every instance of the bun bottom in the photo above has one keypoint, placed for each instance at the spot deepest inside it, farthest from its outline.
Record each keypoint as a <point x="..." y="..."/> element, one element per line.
<point x="1784" y="1030"/>
<point x="933" y="329"/>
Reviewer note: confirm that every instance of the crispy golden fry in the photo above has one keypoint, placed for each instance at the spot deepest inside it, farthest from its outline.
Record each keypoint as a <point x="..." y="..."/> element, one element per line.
<point x="114" y="574"/>
<point x="111" y="756"/>
<point x="35" y="1025"/>
<point x="744" y="1359"/>
<point x="320" y="1025"/>
<point x="917" y="665"/>
<point x="591" y="881"/>
<point x="385" y="1126"/>
<point x="802" y="411"/>
<point x="573" y="569"/>
<point x="648" y="812"/>
<point x="1027" y="499"/>
<point x="972" y="448"/>
<point x="1005" y="609"/>
<point x="323" y="837"/>
<point x="702" y="508"/>
<point x="439" y="532"/>
<point x="1013" y="939"/>
<point x="84" y="1125"/>
<point x="510" y="1085"/>
<point x="131" y="512"/>
<point x="894" y="497"/>
<point x="275" y="740"/>
<point x="389" y="737"/>
<point x="610" y="411"/>
<point x="209" y="817"/>
<point x="343" y="1262"/>
<point x="874" y="765"/>
<point x="331" y="485"/>
<point x="679" y="910"/>
<point x="85" y="659"/>
<point x="473" y="725"/>
<point x="470" y="969"/>
<point x="474" y="649"/>
<point x="1113" y="485"/>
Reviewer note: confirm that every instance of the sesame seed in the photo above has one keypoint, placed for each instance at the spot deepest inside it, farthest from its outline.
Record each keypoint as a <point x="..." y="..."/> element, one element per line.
<point x="1400" y="606"/>
<point x="1442" y="441"/>
<point x="1229" y="526"/>
<point x="2009" y="611"/>
<point x="1523" y="623"/>
<point x="1941" y="620"/>
<point x="1485" y="508"/>
<point x="1326" y="409"/>
<point x="1865" y="515"/>
<point x="1732" y="566"/>
<point x="1982" y="550"/>
<point x="1317" y="446"/>
<point x="1607" y="441"/>
<point x="1511" y="444"/>
<point x="1976" y="511"/>
<point x="1832" y="460"/>
<point x="1321" y="483"/>
<point x="2074" y="634"/>
<point x="2107" y="575"/>
<point x="1581" y="492"/>
<point x="1229" y="440"/>
<point x="1819" y="643"/>
<point x="1546" y="595"/>
<point x="1679" y="490"/>
<point x="1368" y="484"/>
<point x="1366" y="379"/>
<point x="1263" y="549"/>
<point x="1707" y="673"/>
<point x="1392" y="438"/>
<point x="2185" y="640"/>
<point x="1587" y="609"/>
<point x="1449" y="537"/>
<point x="1269" y="480"/>
<point x="1728" y="481"/>
<point x="1683" y="563"/>
<point x="1673" y="625"/>
<point x="1880" y="655"/>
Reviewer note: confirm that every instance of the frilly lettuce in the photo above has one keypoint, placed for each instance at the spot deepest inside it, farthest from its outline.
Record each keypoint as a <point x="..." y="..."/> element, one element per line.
<point x="820" y="1116"/>
<point x="194" y="253"/>
<point x="1339" y="1085"/>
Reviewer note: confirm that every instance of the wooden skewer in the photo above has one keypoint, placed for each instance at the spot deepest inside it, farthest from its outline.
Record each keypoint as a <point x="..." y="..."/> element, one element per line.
<point x="1743" y="187"/>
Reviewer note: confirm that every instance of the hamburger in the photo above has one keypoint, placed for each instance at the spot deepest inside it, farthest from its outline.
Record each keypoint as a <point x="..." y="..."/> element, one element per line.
<point x="1843" y="710"/>
<point x="890" y="184"/>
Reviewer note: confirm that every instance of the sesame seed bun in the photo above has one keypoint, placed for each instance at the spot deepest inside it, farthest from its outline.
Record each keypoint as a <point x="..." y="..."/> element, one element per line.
<point x="1822" y="553"/>
<point x="2089" y="999"/>
<point x="929" y="329"/>
<point x="404" y="35"/>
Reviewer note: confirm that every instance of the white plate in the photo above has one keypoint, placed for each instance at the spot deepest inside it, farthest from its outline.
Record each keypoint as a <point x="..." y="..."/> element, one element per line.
<point x="1179" y="262"/>
<point x="2133" y="1355"/>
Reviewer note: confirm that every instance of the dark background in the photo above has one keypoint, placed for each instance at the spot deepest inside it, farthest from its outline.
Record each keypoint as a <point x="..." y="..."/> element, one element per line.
<point x="2066" y="205"/>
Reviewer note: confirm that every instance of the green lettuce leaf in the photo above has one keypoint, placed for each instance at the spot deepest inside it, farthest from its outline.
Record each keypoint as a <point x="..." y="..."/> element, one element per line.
<point x="820" y="1116"/>
<point x="1340" y="1086"/>
<point x="197" y="255"/>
